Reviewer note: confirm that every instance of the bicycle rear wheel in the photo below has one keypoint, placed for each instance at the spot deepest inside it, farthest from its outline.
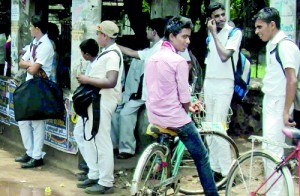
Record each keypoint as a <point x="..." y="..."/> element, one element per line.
<point x="147" y="177"/>
<point x="189" y="178"/>
<point x="250" y="171"/>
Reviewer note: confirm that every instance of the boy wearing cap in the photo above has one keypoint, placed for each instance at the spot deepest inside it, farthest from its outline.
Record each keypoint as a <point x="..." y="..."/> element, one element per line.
<point x="106" y="75"/>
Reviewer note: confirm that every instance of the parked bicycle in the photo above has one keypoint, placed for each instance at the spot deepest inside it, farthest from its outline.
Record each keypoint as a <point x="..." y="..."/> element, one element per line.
<point x="249" y="175"/>
<point x="166" y="164"/>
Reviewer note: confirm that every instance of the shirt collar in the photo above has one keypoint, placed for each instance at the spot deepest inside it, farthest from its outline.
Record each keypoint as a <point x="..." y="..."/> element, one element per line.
<point x="278" y="37"/>
<point x="109" y="47"/>
<point x="35" y="41"/>
<point x="158" y="43"/>
<point x="168" y="45"/>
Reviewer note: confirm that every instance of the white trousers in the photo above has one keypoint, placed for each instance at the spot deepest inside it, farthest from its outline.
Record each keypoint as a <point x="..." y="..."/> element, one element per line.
<point x="272" y="129"/>
<point x="78" y="135"/>
<point x="217" y="96"/>
<point x="99" y="151"/>
<point x="123" y="125"/>
<point x="33" y="135"/>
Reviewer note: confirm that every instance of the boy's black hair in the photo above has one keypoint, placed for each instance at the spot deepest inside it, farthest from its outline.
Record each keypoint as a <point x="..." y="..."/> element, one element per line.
<point x="89" y="46"/>
<point x="159" y="25"/>
<point x="213" y="7"/>
<point x="176" y="24"/>
<point x="40" y="22"/>
<point x="268" y="14"/>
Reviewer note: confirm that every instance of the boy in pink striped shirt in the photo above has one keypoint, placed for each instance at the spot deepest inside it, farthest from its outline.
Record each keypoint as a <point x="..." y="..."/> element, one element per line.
<point x="168" y="100"/>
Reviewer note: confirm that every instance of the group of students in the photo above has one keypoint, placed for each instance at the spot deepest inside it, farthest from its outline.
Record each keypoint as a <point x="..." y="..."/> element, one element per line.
<point x="165" y="91"/>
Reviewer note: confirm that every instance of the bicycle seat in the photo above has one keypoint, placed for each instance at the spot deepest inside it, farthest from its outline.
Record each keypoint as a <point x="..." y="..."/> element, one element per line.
<point x="291" y="132"/>
<point x="155" y="130"/>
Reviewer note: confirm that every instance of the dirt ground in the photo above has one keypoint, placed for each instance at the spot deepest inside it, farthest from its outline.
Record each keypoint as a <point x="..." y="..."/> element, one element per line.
<point x="48" y="180"/>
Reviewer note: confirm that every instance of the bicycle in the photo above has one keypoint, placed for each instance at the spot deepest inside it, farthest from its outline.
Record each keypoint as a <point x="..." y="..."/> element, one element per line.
<point x="161" y="164"/>
<point x="248" y="175"/>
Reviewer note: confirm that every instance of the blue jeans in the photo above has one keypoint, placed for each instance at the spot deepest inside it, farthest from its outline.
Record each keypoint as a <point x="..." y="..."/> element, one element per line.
<point x="190" y="137"/>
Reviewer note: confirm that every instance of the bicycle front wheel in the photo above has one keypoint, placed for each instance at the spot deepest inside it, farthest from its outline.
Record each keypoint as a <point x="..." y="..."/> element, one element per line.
<point x="150" y="172"/>
<point x="189" y="178"/>
<point x="250" y="171"/>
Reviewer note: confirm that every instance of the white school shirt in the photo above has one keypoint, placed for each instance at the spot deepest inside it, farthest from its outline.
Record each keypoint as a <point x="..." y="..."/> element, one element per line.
<point x="215" y="68"/>
<point x="44" y="55"/>
<point x="109" y="62"/>
<point x="145" y="55"/>
<point x="274" y="82"/>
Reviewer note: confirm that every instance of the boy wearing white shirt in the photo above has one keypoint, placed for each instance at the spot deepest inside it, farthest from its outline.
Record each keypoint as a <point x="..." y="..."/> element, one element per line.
<point x="279" y="83"/>
<point x="39" y="56"/>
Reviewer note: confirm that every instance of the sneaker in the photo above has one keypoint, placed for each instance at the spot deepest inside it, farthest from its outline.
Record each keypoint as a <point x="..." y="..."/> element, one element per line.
<point x="87" y="183"/>
<point x="99" y="189"/>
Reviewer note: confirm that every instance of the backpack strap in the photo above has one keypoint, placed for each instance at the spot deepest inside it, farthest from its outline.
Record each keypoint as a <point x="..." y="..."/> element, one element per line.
<point x="96" y="118"/>
<point x="230" y="34"/>
<point x="276" y="50"/>
<point x="103" y="53"/>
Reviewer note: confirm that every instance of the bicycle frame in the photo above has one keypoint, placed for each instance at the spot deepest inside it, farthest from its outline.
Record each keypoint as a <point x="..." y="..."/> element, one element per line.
<point x="294" y="154"/>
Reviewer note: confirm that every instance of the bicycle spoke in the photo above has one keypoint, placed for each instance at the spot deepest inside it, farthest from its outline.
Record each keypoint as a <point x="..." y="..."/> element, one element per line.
<point x="249" y="176"/>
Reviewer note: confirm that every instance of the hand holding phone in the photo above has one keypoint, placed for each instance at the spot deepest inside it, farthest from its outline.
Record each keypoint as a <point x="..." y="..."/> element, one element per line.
<point x="211" y="25"/>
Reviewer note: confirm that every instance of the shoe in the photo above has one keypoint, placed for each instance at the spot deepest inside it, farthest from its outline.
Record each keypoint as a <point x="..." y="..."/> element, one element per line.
<point x="99" y="189"/>
<point x="33" y="163"/>
<point x="217" y="176"/>
<point x="87" y="183"/>
<point x="124" y="155"/>
<point x="82" y="177"/>
<point x="23" y="159"/>
<point x="116" y="151"/>
<point x="83" y="167"/>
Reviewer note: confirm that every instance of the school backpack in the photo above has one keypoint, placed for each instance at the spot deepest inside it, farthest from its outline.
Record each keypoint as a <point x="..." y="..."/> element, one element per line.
<point x="297" y="97"/>
<point x="241" y="74"/>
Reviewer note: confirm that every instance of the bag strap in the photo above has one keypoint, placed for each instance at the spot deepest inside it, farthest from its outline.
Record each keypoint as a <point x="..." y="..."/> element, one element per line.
<point x="276" y="50"/>
<point x="233" y="30"/>
<point x="103" y="53"/>
<point x="230" y="34"/>
<point x="233" y="69"/>
<point x="96" y="118"/>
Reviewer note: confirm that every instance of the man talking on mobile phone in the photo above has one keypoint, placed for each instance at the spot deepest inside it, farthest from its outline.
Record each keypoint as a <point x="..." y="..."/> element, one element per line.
<point x="219" y="81"/>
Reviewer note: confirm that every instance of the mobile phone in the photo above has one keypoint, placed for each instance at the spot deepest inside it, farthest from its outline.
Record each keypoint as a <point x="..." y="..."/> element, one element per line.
<point x="207" y="19"/>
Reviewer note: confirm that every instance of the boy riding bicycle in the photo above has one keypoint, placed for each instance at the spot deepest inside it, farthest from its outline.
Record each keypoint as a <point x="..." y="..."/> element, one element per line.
<point x="168" y="98"/>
